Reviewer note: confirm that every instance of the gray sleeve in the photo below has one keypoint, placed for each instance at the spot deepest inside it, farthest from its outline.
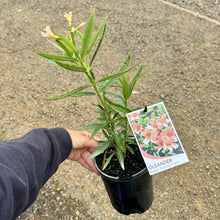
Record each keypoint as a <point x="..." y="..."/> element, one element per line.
<point x="25" y="166"/>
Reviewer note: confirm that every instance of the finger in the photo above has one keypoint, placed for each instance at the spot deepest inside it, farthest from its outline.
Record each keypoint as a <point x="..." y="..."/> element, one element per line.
<point x="87" y="134"/>
<point x="90" y="144"/>
<point x="97" y="138"/>
<point x="84" y="164"/>
<point x="91" y="149"/>
<point x="90" y="162"/>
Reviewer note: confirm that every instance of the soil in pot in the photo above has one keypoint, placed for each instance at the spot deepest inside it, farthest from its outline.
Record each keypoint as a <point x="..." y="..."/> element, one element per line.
<point x="134" y="163"/>
<point x="130" y="190"/>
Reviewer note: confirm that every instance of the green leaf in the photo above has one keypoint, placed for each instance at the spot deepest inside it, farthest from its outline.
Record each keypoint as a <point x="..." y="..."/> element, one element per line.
<point x="56" y="57"/>
<point x="102" y="119"/>
<point x="69" y="93"/>
<point x="125" y="64"/>
<point x="120" y="157"/>
<point x="92" y="74"/>
<point x="120" y="142"/>
<point x="117" y="107"/>
<point x="122" y="119"/>
<point x="122" y="69"/>
<point x="80" y="35"/>
<point x="91" y="126"/>
<point x="66" y="50"/>
<point x="116" y="115"/>
<point x="57" y="46"/>
<point x="106" y="84"/>
<point x="69" y="44"/>
<point x="130" y="150"/>
<point x="83" y="94"/>
<point x="136" y="77"/>
<point x="125" y="86"/>
<point x="71" y="67"/>
<point x="51" y="61"/>
<point x="103" y="25"/>
<point x="102" y="147"/>
<point x="88" y="34"/>
<point x="117" y="74"/>
<point x="131" y="140"/>
<point x="99" y="45"/>
<point x="118" y="96"/>
<point x="106" y="163"/>
<point x="105" y="133"/>
<point x="98" y="108"/>
<point x="104" y="158"/>
<point x="97" y="129"/>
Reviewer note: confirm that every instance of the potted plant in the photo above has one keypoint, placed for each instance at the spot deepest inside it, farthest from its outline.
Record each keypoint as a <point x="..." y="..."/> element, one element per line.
<point x="118" y="158"/>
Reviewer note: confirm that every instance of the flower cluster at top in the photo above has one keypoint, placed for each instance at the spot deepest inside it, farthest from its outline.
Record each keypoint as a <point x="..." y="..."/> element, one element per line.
<point x="155" y="130"/>
<point x="48" y="33"/>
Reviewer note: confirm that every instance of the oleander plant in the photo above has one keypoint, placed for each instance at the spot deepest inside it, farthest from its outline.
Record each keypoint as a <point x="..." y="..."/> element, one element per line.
<point x="78" y="50"/>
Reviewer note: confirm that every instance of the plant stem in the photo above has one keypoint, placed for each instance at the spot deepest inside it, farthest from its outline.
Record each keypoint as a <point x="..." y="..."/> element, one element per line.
<point x="126" y="124"/>
<point x="103" y="103"/>
<point x="92" y="81"/>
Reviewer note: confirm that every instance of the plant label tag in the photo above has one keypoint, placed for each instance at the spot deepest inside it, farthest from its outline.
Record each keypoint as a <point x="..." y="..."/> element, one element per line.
<point x="157" y="138"/>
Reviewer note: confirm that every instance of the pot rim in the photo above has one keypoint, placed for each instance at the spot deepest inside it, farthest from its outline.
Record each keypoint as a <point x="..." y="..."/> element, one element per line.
<point x="136" y="175"/>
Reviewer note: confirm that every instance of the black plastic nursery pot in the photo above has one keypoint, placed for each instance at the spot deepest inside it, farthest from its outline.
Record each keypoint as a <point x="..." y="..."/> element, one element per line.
<point x="129" y="195"/>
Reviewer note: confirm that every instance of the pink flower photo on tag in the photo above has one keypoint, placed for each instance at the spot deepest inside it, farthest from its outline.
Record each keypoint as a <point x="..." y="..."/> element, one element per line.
<point x="157" y="138"/>
<point x="154" y="132"/>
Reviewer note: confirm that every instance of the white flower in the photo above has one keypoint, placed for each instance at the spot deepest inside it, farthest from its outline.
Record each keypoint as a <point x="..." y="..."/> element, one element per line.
<point x="48" y="33"/>
<point x="68" y="17"/>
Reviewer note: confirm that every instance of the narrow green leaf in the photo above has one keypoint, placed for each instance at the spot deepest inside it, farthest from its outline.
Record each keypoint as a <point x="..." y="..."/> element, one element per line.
<point x="111" y="110"/>
<point x="104" y="158"/>
<point x="103" y="25"/>
<point x="92" y="74"/>
<point x="118" y="96"/>
<point x="116" y="115"/>
<point x="117" y="107"/>
<point x="117" y="74"/>
<point x="91" y="126"/>
<point x="68" y="93"/>
<point x="136" y="77"/>
<point x="98" y="108"/>
<point x="99" y="45"/>
<point x="122" y="119"/>
<point x="130" y="150"/>
<point x="88" y="34"/>
<point x="125" y="64"/>
<point x="56" y="57"/>
<point x="120" y="142"/>
<point x="66" y="50"/>
<point x="102" y="147"/>
<point x="96" y="130"/>
<point x="102" y="119"/>
<point x="80" y="35"/>
<point x="106" y="84"/>
<point x="125" y="86"/>
<point x="131" y="141"/>
<point x="108" y="161"/>
<point x="134" y="80"/>
<point x="51" y="61"/>
<point x="105" y="133"/>
<point x="69" y="44"/>
<point x="57" y="46"/>
<point x="83" y="94"/>
<point x="71" y="67"/>
<point x="121" y="124"/>
<point x="120" y="157"/>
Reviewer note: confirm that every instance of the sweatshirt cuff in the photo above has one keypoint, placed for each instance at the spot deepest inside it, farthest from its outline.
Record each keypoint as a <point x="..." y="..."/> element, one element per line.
<point x="64" y="141"/>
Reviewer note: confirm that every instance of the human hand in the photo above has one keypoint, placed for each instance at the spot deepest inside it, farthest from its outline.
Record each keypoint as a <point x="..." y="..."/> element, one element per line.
<point x="82" y="147"/>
